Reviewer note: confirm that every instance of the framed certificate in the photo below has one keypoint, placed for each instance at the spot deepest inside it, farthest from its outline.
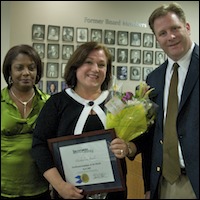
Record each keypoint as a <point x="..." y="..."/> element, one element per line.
<point x="87" y="162"/>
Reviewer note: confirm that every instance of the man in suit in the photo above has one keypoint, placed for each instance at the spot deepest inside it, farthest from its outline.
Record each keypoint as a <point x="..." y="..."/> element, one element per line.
<point x="135" y="58"/>
<point x="122" y="58"/>
<point x="53" y="52"/>
<point x="148" y="41"/>
<point x="109" y="39"/>
<point x="148" y="58"/>
<point x="38" y="33"/>
<point x="176" y="43"/>
<point x="68" y="35"/>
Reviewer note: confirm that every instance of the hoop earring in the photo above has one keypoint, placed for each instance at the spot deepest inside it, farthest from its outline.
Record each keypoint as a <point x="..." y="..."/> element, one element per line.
<point x="10" y="80"/>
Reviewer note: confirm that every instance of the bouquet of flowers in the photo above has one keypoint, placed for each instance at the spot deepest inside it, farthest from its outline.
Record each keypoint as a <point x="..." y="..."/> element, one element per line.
<point x="131" y="115"/>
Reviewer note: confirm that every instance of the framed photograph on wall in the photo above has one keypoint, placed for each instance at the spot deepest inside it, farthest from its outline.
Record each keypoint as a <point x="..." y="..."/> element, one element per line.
<point x="63" y="85"/>
<point x="157" y="45"/>
<point x="109" y="37"/>
<point x="147" y="57"/>
<point x="52" y="70"/>
<point x="53" y="51"/>
<point x="112" y="51"/>
<point x="146" y="71"/>
<point x="38" y="32"/>
<point x="148" y="40"/>
<point x="63" y="65"/>
<point x="135" y="73"/>
<point x="42" y="75"/>
<point x="159" y="57"/>
<point x="135" y="56"/>
<point x="81" y="34"/>
<point x="53" y="33"/>
<point x="122" y="38"/>
<point x="52" y="87"/>
<point x="135" y="39"/>
<point x="40" y="85"/>
<point x="113" y="70"/>
<point x="40" y="48"/>
<point x="67" y="51"/>
<point x="122" y="72"/>
<point x="96" y="35"/>
<point x="122" y="55"/>
<point x="67" y="34"/>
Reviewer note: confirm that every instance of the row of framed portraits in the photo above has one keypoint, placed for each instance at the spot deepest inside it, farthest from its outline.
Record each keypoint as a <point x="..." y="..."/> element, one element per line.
<point x="52" y="86"/>
<point x="53" y="70"/>
<point x="82" y="34"/>
<point x="122" y="55"/>
<point x="135" y="73"/>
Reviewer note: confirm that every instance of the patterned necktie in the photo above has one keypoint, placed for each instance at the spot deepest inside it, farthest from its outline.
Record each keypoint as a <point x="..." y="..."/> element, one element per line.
<point x="171" y="165"/>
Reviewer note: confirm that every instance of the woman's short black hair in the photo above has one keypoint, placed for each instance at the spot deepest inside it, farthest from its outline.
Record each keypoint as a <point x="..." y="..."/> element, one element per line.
<point x="14" y="52"/>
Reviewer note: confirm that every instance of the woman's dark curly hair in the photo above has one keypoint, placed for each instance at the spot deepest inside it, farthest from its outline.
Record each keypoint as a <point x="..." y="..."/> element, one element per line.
<point x="79" y="57"/>
<point x="13" y="53"/>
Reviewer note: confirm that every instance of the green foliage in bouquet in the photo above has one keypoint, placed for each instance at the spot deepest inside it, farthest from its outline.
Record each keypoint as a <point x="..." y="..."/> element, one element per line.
<point x="135" y="116"/>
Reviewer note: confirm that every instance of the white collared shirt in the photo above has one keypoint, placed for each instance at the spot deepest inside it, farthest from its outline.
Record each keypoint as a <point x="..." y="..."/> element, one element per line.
<point x="182" y="72"/>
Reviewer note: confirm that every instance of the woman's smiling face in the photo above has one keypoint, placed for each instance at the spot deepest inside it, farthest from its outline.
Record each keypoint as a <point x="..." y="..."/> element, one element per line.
<point x="92" y="73"/>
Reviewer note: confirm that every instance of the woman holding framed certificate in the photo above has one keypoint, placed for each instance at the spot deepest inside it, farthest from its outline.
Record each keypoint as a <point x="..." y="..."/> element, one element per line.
<point x="79" y="109"/>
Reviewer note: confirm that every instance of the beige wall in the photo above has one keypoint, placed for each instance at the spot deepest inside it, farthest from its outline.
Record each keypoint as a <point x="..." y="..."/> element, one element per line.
<point x="19" y="16"/>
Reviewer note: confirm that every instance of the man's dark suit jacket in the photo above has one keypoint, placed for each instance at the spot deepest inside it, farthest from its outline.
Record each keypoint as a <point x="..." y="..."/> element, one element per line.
<point x="187" y="125"/>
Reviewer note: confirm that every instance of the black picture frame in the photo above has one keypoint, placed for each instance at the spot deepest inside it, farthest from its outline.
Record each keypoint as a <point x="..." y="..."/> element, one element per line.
<point x="96" y="35"/>
<point x="148" y="40"/>
<point x="157" y="45"/>
<point x="63" y="85"/>
<point x="53" y="33"/>
<point x="109" y="37"/>
<point x="52" y="70"/>
<point x="77" y="143"/>
<point x="53" y="51"/>
<point x="81" y="34"/>
<point x="40" y="48"/>
<point x="135" y="56"/>
<point x="42" y="75"/>
<point x="112" y="52"/>
<point x="38" y="32"/>
<point x="146" y="71"/>
<point x="122" y="55"/>
<point x="63" y="65"/>
<point x="159" y="57"/>
<point x="68" y="34"/>
<point x="40" y="85"/>
<point x="122" y="38"/>
<point x="122" y="72"/>
<point x="67" y="51"/>
<point x="52" y="87"/>
<point x="147" y="57"/>
<point x="113" y="70"/>
<point x="135" y="73"/>
<point x="135" y="39"/>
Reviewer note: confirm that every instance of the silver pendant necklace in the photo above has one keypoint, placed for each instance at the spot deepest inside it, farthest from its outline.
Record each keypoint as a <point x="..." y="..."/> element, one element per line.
<point x="24" y="103"/>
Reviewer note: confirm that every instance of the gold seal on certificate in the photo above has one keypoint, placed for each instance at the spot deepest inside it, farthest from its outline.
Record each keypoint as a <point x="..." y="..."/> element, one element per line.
<point x="85" y="178"/>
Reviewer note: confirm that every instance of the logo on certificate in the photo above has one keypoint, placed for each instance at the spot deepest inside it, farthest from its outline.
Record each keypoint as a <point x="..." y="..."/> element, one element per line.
<point x="83" y="178"/>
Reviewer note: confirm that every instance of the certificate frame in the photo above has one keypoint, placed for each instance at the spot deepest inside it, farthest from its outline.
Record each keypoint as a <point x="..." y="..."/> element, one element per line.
<point x="55" y="144"/>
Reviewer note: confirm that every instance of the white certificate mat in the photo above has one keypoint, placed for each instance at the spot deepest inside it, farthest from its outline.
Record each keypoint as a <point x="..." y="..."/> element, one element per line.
<point x="87" y="163"/>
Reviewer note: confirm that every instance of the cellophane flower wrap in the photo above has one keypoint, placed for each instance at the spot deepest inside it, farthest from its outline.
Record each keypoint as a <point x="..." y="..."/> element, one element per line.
<point x="131" y="115"/>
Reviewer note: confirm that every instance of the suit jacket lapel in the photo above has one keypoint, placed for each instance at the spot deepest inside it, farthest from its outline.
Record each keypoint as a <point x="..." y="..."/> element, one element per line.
<point x="191" y="77"/>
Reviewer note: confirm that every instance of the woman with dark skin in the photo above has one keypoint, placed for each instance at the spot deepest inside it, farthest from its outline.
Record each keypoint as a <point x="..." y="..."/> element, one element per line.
<point x="21" y="102"/>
